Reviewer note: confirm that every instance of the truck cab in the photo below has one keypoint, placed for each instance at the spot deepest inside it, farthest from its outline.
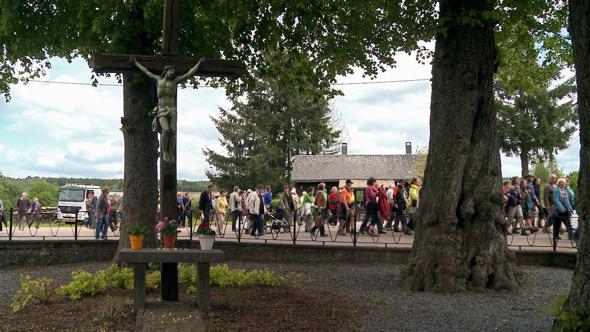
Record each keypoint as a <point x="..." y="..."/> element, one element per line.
<point x="72" y="198"/>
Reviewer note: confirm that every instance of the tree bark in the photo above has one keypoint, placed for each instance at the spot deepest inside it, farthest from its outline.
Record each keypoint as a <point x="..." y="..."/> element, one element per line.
<point x="578" y="301"/>
<point x="524" y="162"/>
<point x="140" y="170"/>
<point x="460" y="237"/>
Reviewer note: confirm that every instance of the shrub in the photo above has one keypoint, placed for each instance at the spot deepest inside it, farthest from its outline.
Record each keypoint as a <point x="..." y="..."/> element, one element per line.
<point x="224" y="277"/>
<point x="40" y="290"/>
<point x="116" y="277"/>
<point x="82" y="284"/>
<point x="152" y="280"/>
<point x="187" y="274"/>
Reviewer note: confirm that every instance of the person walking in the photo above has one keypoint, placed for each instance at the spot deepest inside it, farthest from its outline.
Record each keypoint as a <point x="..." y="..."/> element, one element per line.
<point x="268" y="197"/>
<point x="245" y="210"/>
<point x="371" y="209"/>
<point x="235" y="207"/>
<point x="346" y="208"/>
<point x="320" y="199"/>
<point x="414" y="200"/>
<point x="205" y="206"/>
<point x="103" y="210"/>
<point x="401" y="205"/>
<point x="23" y="204"/>
<point x="297" y="205"/>
<point x="307" y="204"/>
<point x="288" y="205"/>
<point x="383" y="206"/>
<point x="91" y="202"/>
<point x="257" y="209"/>
<point x="221" y="210"/>
<point x="562" y="210"/>
<point x="113" y="213"/>
<point x="548" y="202"/>
<point x="333" y="206"/>
<point x="179" y="207"/>
<point x="187" y="207"/>
<point x="35" y="213"/>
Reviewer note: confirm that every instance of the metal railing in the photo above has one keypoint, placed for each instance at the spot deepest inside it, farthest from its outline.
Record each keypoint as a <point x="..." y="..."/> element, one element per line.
<point x="274" y="233"/>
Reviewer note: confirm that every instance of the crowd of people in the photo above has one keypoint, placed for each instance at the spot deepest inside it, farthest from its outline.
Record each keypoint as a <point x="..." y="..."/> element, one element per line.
<point x="388" y="209"/>
<point x="103" y="212"/>
<point x="529" y="206"/>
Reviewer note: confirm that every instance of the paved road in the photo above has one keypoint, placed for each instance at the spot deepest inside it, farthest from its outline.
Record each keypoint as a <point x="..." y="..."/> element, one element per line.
<point x="537" y="241"/>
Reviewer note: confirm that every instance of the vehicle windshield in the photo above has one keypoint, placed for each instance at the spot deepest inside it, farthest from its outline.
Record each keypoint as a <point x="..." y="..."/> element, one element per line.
<point x="71" y="195"/>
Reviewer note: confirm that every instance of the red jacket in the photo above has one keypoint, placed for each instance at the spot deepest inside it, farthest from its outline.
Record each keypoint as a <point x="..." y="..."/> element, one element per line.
<point x="383" y="205"/>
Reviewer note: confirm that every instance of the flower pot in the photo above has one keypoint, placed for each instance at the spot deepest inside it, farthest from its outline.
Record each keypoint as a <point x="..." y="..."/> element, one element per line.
<point x="136" y="241"/>
<point x="169" y="241"/>
<point x="206" y="242"/>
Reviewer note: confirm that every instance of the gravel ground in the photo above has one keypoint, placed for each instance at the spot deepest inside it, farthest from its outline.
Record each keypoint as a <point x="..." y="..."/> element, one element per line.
<point x="384" y="305"/>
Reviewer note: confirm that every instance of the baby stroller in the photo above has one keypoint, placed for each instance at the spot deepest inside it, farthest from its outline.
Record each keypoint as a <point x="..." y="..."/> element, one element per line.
<point x="275" y="222"/>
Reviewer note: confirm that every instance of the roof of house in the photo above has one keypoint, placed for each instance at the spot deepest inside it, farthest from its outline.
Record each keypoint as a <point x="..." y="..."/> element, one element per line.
<point x="337" y="167"/>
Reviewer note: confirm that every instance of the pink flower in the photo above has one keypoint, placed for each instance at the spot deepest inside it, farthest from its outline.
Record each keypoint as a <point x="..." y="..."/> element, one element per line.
<point x="160" y="226"/>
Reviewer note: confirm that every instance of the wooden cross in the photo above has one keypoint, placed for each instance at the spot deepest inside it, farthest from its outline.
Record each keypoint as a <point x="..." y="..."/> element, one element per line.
<point x="120" y="63"/>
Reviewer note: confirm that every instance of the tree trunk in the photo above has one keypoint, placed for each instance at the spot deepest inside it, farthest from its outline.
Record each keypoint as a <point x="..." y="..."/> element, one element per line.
<point x="578" y="301"/>
<point x="524" y="163"/>
<point x="460" y="237"/>
<point x="141" y="146"/>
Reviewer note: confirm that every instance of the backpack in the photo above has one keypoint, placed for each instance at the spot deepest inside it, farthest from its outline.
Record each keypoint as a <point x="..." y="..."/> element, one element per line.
<point x="333" y="202"/>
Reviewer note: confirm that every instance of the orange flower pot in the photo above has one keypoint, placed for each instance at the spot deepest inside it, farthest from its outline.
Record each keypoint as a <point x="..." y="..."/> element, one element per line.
<point x="136" y="241"/>
<point x="169" y="241"/>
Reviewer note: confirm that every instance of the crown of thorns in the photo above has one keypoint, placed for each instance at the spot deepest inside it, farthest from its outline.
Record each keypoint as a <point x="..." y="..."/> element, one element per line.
<point x="168" y="67"/>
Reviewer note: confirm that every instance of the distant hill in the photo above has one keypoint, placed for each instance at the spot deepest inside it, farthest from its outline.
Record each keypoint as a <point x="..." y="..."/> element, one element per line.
<point x="46" y="188"/>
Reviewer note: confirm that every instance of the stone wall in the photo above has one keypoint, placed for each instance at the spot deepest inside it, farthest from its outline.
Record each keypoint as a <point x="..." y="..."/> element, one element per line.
<point x="13" y="253"/>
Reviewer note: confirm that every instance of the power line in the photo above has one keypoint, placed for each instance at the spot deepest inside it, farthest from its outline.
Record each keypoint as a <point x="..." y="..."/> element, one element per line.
<point x="206" y="86"/>
<point x="384" y="82"/>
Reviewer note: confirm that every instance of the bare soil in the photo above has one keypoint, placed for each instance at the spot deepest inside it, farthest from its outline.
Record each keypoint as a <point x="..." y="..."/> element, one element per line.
<point x="290" y="308"/>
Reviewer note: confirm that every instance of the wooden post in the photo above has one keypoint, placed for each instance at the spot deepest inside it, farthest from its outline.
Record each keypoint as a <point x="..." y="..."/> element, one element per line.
<point x="203" y="287"/>
<point x="139" y="286"/>
<point x="169" y="279"/>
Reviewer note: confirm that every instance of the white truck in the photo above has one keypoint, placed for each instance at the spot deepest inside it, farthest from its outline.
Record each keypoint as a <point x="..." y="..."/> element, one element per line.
<point x="72" y="197"/>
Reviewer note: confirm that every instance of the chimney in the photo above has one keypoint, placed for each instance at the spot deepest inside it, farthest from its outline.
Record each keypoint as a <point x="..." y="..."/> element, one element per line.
<point x="408" y="147"/>
<point x="344" y="149"/>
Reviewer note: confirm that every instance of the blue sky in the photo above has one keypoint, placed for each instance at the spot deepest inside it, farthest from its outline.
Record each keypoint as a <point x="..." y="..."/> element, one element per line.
<point x="73" y="130"/>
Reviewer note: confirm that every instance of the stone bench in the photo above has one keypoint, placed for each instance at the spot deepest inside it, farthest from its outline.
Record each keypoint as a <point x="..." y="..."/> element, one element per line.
<point x="169" y="260"/>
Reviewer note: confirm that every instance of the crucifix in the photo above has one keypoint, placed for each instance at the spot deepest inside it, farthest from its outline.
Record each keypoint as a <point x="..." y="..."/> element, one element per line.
<point x="165" y="112"/>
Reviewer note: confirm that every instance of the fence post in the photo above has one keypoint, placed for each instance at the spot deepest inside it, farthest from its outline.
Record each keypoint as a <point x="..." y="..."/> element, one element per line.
<point x="10" y="224"/>
<point x="294" y="231"/>
<point x="239" y="226"/>
<point x="76" y="225"/>
<point x="355" y="233"/>
<point x="190" y="227"/>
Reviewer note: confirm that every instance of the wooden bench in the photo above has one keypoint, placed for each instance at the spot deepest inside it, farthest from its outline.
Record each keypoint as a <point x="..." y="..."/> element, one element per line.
<point x="169" y="260"/>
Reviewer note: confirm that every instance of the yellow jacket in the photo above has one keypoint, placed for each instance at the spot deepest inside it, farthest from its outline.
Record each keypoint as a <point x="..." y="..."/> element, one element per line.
<point x="221" y="207"/>
<point x="414" y="195"/>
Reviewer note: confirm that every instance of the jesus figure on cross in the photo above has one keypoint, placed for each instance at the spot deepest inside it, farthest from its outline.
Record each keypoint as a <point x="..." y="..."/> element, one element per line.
<point x="165" y="113"/>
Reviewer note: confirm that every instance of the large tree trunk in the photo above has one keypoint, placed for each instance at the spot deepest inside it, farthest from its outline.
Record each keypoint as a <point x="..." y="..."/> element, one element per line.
<point x="141" y="146"/>
<point x="460" y="232"/>
<point x="524" y="163"/>
<point x="578" y="301"/>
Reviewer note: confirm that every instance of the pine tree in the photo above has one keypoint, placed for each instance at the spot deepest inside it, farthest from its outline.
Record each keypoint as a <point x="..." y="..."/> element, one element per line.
<point x="286" y="113"/>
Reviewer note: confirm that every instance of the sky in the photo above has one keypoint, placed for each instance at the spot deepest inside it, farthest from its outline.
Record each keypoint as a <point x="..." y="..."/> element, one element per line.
<point x="73" y="130"/>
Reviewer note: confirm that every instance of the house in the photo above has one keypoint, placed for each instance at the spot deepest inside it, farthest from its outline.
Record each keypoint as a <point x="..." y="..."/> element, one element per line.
<point x="334" y="170"/>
